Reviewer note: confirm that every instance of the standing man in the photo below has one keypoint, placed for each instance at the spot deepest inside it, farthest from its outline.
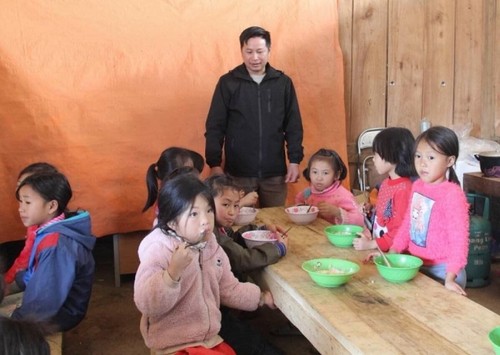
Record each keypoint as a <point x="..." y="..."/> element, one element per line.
<point x="254" y="111"/>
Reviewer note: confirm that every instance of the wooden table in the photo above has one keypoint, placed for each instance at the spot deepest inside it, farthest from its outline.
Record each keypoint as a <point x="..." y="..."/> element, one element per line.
<point x="477" y="182"/>
<point x="370" y="315"/>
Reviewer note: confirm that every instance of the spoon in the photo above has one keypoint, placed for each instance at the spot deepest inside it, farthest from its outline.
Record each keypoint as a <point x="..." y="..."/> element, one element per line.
<point x="317" y="266"/>
<point x="386" y="261"/>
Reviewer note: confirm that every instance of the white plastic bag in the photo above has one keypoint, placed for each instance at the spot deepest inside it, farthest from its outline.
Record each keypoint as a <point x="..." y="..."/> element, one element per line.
<point x="469" y="146"/>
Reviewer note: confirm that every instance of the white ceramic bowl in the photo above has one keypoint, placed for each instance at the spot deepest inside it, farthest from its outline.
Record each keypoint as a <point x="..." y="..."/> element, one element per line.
<point x="246" y="216"/>
<point x="299" y="214"/>
<point x="258" y="237"/>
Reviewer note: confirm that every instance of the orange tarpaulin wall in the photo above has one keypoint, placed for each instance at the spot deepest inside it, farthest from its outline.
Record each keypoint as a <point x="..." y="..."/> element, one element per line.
<point x="100" y="88"/>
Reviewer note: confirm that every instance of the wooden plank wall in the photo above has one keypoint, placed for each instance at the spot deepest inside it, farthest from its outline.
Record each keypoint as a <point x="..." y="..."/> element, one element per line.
<point x="409" y="59"/>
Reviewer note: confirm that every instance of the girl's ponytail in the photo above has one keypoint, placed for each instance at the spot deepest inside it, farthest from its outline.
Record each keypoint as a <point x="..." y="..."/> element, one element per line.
<point x="152" y="186"/>
<point x="452" y="176"/>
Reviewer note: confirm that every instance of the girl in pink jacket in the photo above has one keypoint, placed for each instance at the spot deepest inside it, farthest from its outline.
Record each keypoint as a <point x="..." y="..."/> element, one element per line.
<point x="184" y="275"/>
<point x="436" y="224"/>
<point x="336" y="204"/>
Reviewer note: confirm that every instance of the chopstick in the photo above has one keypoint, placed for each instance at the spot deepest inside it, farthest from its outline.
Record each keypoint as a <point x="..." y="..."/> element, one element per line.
<point x="309" y="208"/>
<point x="383" y="256"/>
<point x="285" y="232"/>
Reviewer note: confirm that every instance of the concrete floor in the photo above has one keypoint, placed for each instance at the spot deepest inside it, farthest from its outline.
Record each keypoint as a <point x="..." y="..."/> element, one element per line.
<point x="112" y="322"/>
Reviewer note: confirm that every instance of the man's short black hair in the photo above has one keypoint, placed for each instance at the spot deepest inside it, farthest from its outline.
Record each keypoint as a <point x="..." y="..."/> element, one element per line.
<point x="255" y="31"/>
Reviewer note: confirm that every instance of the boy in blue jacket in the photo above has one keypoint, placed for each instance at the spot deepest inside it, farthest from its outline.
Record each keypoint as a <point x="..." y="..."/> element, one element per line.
<point x="58" y="282"/>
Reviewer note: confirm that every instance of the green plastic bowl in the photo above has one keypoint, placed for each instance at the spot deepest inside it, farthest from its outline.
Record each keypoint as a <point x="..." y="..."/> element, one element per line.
<point x="328" y="272"/>
<point x="403" y="268"/>
<point x="494" y="336"/>
<point x="342" y="235"/>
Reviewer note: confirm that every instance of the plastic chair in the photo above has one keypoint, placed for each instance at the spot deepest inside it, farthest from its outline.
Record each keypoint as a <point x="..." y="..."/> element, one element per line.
<point x="365" y="141"/>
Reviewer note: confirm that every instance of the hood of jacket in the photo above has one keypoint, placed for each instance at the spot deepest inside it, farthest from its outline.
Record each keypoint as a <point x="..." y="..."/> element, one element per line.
<point x="76" y="226"/>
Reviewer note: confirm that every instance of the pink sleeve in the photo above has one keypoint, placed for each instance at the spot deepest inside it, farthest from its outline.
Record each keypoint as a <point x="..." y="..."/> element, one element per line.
<point x="235" y="294"/>
<point x="299" y="198"/>
<point x="349" y="210"/>
<point x="458" y="220"/>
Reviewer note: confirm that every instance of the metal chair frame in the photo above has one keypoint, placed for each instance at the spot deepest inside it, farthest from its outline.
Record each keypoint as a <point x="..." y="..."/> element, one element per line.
<point x="365" y="141"/>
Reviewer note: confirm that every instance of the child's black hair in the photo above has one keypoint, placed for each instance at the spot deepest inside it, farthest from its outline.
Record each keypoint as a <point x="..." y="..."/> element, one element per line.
<point x="181" y="171"/>
<point x="177" y="195"/>
<point x="22" y="337"/>
<point x="170" y="159"/>
<point x="218" y="183"/>
<point x="396" y="145"/>
<point x="445" y="141"/>
<point x="333" y="158"/>
<point x="51" y="186"/>
<point x="38" y="167"/>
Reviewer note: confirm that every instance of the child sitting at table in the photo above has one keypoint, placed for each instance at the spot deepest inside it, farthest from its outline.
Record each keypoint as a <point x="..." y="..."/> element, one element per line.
<point x="21" y="262"/>
<point x="241" y="336"/>
<point x="393" y="155"/>
<point x="436" y="224"/>
<point x="173" y="158"/>
<point x="170" y="159"/>
<point x="325" y="171"/>
<point x="226" y="196"/>
<point x="58" y="281"/>
<point x="184" y="275"/>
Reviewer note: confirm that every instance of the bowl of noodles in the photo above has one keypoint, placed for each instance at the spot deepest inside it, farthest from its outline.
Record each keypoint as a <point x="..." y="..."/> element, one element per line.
<point x="403" y="267"/>
<point x="259" y="237"/>
<point x="342" y="235"/>
<point x="246" y="216"/>
<point x="330" y="272"/>
<point x="303" y="214"/>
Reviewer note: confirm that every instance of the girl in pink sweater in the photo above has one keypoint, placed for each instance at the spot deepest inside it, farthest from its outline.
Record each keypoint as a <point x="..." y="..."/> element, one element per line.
<point x="393" y="156"/>
<point x="436" y="225"/>
<point x="336" y="204"/>
<point x="184" y="275"/>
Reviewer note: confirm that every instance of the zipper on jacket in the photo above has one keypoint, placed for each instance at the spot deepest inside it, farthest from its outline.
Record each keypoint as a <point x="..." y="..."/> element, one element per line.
<point x="259" y="105"/>
<point x="200" y="262"/>
<point x="268" y="100"/>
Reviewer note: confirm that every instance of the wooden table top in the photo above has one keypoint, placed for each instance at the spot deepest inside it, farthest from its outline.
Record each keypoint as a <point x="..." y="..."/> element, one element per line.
<point x="369" y="314"/>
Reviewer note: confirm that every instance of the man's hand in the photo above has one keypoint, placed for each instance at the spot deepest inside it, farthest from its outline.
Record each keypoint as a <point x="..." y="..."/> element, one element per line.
<point x="292" y="174"/>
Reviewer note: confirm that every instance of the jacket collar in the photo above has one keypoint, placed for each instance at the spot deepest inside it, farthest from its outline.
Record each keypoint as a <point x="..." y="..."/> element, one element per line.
<point x="241" y="72"/>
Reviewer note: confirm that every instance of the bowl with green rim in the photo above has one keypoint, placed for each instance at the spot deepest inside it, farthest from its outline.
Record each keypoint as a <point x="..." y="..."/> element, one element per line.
<point x="494" y="337"/>
<point x="330" y="272"/>
<point x="403" y="267"/>
<point x="342" y="235"/>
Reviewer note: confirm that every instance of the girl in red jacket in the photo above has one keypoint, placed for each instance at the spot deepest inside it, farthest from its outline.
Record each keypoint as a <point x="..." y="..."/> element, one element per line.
<point x="393" y="149"/>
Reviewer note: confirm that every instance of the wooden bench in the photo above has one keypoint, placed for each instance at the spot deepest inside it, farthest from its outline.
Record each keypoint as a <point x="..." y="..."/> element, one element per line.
<point x="55" y="343"/>
<point x="125" y="256"/>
